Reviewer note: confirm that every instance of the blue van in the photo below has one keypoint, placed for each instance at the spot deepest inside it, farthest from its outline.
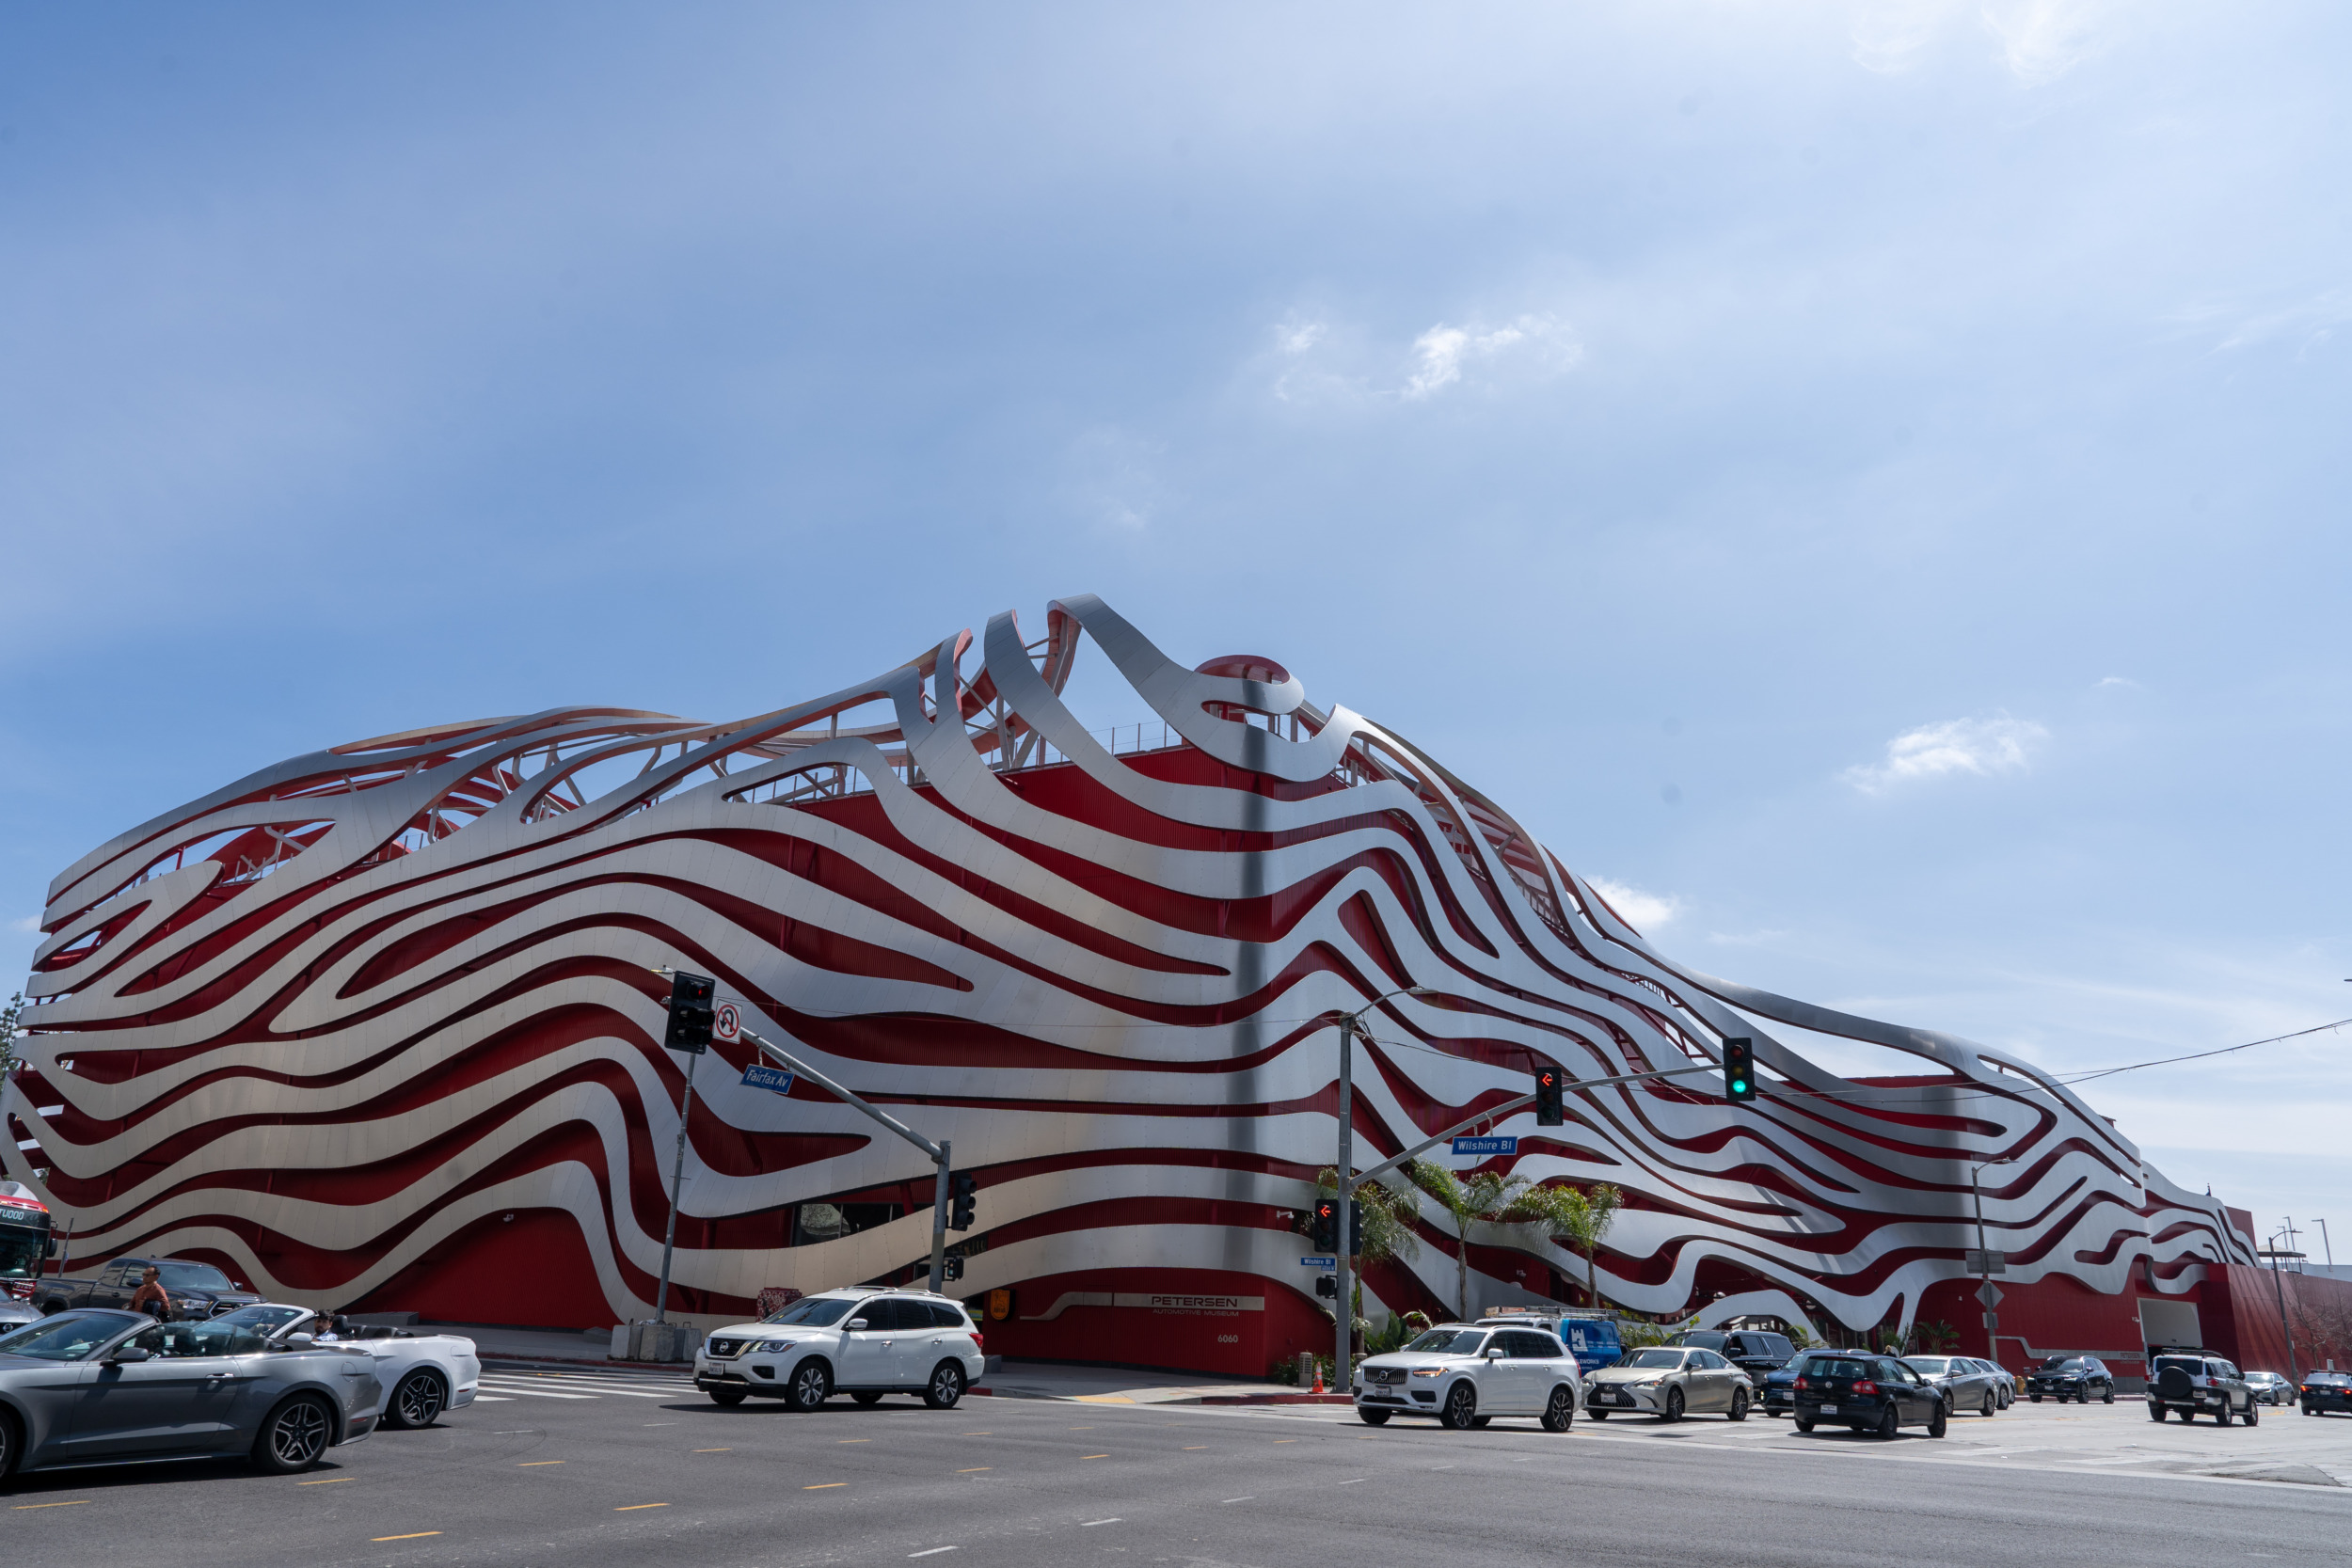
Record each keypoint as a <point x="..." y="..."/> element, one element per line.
<point x="1593" y="1341"/>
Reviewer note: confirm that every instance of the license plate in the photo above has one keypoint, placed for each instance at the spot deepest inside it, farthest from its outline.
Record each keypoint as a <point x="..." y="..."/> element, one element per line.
<point x="1829" y="1410"/>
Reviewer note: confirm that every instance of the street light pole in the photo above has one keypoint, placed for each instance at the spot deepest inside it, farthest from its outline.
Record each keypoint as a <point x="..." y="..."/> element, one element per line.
<point x="1342" y="1310"/>
<point x="1984" y="1262"/>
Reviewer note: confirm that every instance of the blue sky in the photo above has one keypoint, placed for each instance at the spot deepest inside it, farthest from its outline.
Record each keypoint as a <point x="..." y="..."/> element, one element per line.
<point x="1866" y="477"/>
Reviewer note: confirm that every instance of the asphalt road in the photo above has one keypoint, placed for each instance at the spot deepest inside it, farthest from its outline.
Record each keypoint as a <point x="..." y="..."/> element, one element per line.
<point x="580" y="1470"/>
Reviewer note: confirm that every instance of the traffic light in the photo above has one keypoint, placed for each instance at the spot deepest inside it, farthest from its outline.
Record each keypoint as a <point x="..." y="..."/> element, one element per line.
<point x="1549" y="1111"/>
<point x="1355" y="1225"/>
<point x="690" y="1013"/>
<point x="951" y="1266"/>
<point x="1740" y="1070"/>
<point x="1323" y="1232"/>
<point x="1328" y="1285"/>
<point x="962" y="1190"/>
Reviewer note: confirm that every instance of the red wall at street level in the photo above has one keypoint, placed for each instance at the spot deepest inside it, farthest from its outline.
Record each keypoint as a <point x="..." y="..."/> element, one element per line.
<point x="1237" y="1343"/>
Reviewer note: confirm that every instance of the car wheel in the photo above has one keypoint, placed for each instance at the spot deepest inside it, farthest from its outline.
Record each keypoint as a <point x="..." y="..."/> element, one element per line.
<point x="728" y="1397"/>
<point x="1372" y="1417"/>
<point x="946" y="1388"/>
<point x="2108" y="1396"/>
<point x="294" y="1435"/>
<point x="1461" y="1408"/>
<point x="2308" y="1411"/>
<point x="9" y="1442"/>
<point x="1802" y="1425"/>
<point x="867" y="1396"/>
<point x="2252" y="1418"/>
<point x="1674" y="1406"/>
<point x="2221" y="1417"/>
<point x="1478" y="1423"/>
<point x="1560" y="1412"/>
<point x="1987" y="1407"/>
<point x="1739" y="1404"/>
<point x="2155" y="1411"/>
<point x="1938" y="1420"/>
<point x="417" y="1402"/>
<point x="808" y="1386"/>
<point x="2036" y="1398"/>
<point x="1597" y="1415"/>
<point x="1885" y="1430"/>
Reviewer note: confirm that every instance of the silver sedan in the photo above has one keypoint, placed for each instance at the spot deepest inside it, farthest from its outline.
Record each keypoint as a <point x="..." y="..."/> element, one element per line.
<point x="1967" y="1387"/>
<point x="102" y="1386"/>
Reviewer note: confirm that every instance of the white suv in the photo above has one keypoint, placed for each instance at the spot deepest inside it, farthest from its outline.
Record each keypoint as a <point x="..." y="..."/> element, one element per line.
<point x="1465" y="1376"/>
<point x="862" y="1342"/>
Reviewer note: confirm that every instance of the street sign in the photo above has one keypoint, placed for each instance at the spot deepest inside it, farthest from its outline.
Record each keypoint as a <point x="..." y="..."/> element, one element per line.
<point x="1318" y="1263"/>
<point x="1986" y="1263"/>
<point x="759" y="1075"/>
<point x="726" y="1024"/>
<point x="1486" y="1146"/>
<point x="1989" y="1293"/>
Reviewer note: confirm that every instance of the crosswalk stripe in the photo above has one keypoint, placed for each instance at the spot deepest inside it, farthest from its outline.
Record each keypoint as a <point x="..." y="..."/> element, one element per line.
<point x="540" y="1393"/>
<point x="639" y="1391"/>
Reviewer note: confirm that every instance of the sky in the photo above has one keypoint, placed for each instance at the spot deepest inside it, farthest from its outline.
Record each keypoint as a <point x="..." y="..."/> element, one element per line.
<point x="1864" y="478"/>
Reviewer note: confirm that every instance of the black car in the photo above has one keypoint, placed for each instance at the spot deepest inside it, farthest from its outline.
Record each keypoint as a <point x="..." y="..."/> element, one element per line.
<point x="1755" y="1352"/>
<point x="2322" y="1392"/>
<point x="2071" y="1377"/>
<point x="1868" y="1393"/>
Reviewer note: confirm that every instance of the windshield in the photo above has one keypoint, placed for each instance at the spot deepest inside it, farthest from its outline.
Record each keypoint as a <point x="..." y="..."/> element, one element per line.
<point x="68" y="1337"/>
<point x="813" y="1311"/>
<point x="2061" y="1364"/>
<point x="1703" y="1340"/>
<point x="192" y="1276"/>
<point x="19" y="1254"/>
<point x="1845" y="1367"/>
<point x="263" y="1317"/>
<point x="1448" y="1341"/>
<point x="1656" y="1359"/>
<point x="1934" y="1365"/>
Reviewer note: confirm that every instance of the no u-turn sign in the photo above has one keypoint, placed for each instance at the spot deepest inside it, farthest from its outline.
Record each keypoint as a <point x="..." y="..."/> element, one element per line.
<point x="728" y="1023"/>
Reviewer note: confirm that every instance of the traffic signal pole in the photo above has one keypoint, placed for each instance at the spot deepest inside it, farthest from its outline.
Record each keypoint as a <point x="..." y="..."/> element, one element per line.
<point x="939" y="1221"/>
<point x="677" y="1184"/>
<point x="1342" y="1310"/>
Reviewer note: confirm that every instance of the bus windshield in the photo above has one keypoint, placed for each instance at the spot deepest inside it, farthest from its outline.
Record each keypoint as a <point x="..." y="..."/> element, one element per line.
<point x="20" y="1253"/>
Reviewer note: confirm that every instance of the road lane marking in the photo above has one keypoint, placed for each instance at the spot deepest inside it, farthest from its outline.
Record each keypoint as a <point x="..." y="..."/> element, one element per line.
<point x="331" y="1481"/>
<point x="418" y="1536"/>
<point x="631" y="1508"/>
<point x="976" y="1469"/>
<point x="536" y="1394"/>
<point x="714" y="1451"/>
<point x="1082" y="1429"/>
<point x="979" y="1434"/>
<point x="1251" y="1499"/>
<point x="529" y="1464"/>
<point x="1286" y="1439"/>
<point x="824" y="1486"/>
<point x="1091" y="1523"/>
<point x="1357" y="1481"/>
<point x="856" y="1439"/>
<point x="492" y="1399"/>
<point x="1195" y="1448"/>
<point x="75" y="1503"/>
<point x="1094" y="1456"/>
<point x="933" y="1552"/>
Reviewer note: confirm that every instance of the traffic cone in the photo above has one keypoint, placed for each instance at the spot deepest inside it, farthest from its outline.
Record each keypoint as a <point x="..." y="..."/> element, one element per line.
<point x="1318" y="1387"/>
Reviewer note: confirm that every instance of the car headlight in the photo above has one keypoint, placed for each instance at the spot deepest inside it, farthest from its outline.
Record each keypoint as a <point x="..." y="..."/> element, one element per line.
<point x="1428" y="1371"/>
<point x="773" y="1345"/>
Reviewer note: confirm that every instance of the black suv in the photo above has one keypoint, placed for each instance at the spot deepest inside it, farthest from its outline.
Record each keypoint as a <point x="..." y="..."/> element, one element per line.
<point x="2324" y="1392"/>
<point x="2196" y="1382"/>
<point x="1754" y="1351"/>
<point x="2071" y="1377"/>
<point x="1868" y="1393"/>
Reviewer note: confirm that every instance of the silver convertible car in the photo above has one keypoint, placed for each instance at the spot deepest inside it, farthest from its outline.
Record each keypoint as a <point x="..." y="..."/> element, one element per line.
<point x="102" y="1386"/>
<point x="426" y="1374"/>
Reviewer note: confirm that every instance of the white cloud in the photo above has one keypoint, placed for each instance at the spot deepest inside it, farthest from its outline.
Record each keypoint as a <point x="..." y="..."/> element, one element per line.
<point x="2043" y="39"/>
<point x="1979" y="746"/>
<point x="1641" y="911"/>
<point x="1441" y="352"/>
<point x="28" y="926"/>
<point x="2106" y="681"/>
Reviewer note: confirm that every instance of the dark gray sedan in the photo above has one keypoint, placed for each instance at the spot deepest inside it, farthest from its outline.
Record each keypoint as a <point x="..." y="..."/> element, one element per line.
<point x="102" y="1386"/>
<point x="1967" y="1387"/>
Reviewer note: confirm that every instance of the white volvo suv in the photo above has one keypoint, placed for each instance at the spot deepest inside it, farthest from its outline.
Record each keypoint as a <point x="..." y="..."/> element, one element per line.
<point x="1465" y="1376"/>
<point x="861" y="1342"/>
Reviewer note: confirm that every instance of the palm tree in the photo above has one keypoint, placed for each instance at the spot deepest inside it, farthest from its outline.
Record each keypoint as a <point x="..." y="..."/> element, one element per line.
<point x="1486" y="1197"/>
<point x="1584" y="1218"/>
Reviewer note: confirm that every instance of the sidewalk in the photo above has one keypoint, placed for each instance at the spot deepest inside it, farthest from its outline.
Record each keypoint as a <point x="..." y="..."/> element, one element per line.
<point x="1019" y="1380"/>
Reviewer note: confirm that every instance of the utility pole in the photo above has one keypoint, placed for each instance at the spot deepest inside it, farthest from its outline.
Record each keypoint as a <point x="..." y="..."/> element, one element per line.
<point x="2328" y="1247"/>
<point x="2278" y="1254"/>
<point x="1987" y="1292"/>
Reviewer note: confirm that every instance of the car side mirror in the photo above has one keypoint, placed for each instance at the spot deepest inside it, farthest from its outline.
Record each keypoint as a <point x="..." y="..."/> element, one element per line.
<point x="300" y="1340"/>
<point x="1495" y="1354"/>
<point x="129" y="1353"/>
<point x="856" y="1323"/>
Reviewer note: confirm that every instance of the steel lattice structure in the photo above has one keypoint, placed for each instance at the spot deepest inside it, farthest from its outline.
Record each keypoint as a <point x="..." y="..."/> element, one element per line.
<point x="334" y="1023"/>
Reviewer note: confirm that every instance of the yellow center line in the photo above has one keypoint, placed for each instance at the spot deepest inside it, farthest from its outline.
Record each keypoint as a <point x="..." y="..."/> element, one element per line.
<point x="529" y="1463"/>
<point x="1196" y="1447"/>
<point x="331" y="1481"/>
<point x="418" y="1536"/>
<point x="1082" y="1429"/>
<point x="976" y="1469"/>
<point x="1094" y="1456"/>
<point x="824" y="1486"/>
<point x="1286" y="1439"/>
<point x="75" y="1503"/>
<point x="857" y="1440"/>
<point x="714" y="1451"/>
<point x="631" y="1508"/>
<point x="979" y="1434"/>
